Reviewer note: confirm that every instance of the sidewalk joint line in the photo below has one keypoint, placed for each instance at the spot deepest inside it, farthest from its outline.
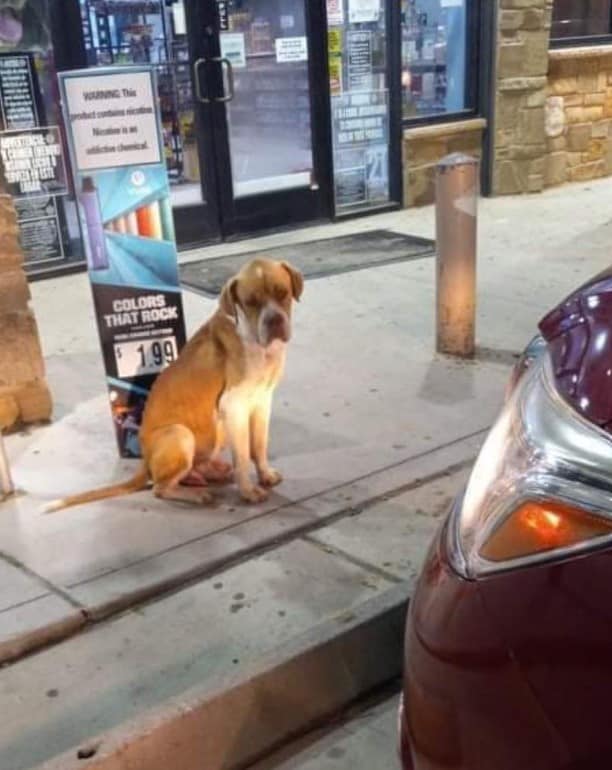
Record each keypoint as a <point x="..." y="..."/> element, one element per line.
<point x="51" y="587"/>
<point x="318" y="524"/>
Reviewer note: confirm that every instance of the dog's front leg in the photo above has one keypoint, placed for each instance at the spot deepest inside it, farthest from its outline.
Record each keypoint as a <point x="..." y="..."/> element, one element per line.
<point x="260" y="429"/>
<point x="236" y="415"/>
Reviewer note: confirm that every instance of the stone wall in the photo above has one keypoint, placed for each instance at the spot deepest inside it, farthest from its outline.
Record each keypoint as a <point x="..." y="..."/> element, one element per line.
<point x="579" y="115"/>
<point x="24" y="395"/>
<point x="520" y="148"/>
<point x="426" y="145"/>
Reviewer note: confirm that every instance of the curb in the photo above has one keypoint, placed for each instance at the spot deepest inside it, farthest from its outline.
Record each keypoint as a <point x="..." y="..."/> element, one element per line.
<point x="250" y="714"/>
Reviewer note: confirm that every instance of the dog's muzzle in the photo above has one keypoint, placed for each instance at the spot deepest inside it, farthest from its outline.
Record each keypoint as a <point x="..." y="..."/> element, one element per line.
<point x="274" y="325"/>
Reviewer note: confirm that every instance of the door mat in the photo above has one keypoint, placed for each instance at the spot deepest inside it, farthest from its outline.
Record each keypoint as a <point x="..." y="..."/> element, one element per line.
<point x="314" y="259"/>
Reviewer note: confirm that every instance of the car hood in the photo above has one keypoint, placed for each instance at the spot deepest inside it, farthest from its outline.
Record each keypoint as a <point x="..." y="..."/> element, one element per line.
<point x="579" y="337"/>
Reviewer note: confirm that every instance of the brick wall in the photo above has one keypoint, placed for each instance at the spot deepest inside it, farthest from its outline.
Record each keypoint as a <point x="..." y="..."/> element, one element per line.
<point x="519" y="147"/>
<point x="24" y="395"/>
<point x="426" y="145"/>
<point x="579" y="115"/>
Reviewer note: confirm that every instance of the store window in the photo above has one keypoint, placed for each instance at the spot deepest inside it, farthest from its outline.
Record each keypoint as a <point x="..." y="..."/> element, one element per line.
<point x="152" y="32"/>
<point x="437" y="48"/>
<point x="581" y="21"/>
<point x="29" y="114"/>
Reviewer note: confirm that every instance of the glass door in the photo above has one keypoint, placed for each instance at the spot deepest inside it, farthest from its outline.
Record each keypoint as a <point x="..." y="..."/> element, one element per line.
<point x="156" y="32"/>
<point x="253" y="72"/>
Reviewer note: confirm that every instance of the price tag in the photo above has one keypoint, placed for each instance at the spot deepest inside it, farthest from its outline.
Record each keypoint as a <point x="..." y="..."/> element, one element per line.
<point x="145" y="357"/>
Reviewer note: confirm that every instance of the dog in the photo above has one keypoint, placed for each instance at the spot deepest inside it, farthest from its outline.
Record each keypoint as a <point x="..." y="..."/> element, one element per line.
<point x="219" y="390"/>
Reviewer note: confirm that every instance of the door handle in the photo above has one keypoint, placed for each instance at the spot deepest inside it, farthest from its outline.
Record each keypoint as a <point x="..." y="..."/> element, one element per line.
<point x="230" y="79"/>
<point x="196" y="78"/>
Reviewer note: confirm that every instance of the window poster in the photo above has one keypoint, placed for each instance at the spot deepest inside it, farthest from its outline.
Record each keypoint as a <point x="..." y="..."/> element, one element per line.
<point x="364" y="11"/>
<point x="335" y="13"/>
<point x="233" y="48"/>
<point x="359" y="54"/>
<point x="361" y="140"/>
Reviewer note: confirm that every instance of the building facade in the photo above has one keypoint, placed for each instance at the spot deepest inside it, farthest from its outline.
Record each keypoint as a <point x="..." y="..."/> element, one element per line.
<point x="553" y="113"/>
<point x="277" y="113"/>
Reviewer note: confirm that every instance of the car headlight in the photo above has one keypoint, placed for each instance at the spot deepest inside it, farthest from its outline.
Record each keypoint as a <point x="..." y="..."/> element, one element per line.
<point x="531" y="354"/>
<point x="541" y="488"/>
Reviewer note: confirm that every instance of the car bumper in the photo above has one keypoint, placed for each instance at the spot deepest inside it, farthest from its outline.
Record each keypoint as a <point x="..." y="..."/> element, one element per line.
<point x="466" y="704"/>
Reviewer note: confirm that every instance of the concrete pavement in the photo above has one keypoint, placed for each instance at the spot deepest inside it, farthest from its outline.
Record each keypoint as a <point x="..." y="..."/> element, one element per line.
<point x="366" y="412"/>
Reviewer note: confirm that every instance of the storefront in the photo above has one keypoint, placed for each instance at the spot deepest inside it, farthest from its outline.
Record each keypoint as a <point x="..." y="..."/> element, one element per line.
<point x="275" y="112"/>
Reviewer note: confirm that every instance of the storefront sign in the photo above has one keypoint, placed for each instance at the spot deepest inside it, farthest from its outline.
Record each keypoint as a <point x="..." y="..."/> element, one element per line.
<point x="233" y="48"/>
<point x="363" y="11"/>
<point x="359" y="50"/>
<point x="33" y="162"/>
<point x="126" y="220"/>
<point x="17" y="95"/>
<point x="289" y="49"/>
<point x="335" y="13"/>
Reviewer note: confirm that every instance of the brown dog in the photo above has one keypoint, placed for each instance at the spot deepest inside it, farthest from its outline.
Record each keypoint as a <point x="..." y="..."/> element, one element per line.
<point x="220" y="387"/>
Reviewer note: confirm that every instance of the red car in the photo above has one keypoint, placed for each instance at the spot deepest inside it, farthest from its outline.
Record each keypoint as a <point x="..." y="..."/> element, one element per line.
<point x="508" y="661"/>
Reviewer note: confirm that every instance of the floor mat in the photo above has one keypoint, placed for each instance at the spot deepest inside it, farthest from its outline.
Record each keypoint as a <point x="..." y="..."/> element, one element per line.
<point x="315" y="259"/>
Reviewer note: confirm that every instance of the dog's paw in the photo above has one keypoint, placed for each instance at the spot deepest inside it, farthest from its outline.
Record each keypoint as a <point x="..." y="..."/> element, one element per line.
<point x="253" y="494"/>
<point x="204" y="497"/>
<point x="270" y="477"/>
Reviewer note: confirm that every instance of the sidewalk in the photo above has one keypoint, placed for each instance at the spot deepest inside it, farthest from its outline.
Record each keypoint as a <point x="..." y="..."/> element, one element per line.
<point x="374" y="434"/>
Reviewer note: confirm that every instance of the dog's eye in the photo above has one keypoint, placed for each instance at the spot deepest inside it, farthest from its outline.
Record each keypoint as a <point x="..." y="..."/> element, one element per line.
<point x="281" y="295"/>
<point x="251" y="301"/>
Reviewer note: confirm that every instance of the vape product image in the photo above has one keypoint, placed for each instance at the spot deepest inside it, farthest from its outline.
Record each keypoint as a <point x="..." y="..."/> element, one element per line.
<point x="166" y="216"/>
<point x="96" y="253"/>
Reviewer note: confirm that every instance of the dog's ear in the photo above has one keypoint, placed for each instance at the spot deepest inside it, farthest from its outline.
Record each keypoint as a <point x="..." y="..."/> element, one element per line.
<point x="228" y="301"/>
<point x="297" y="280"/>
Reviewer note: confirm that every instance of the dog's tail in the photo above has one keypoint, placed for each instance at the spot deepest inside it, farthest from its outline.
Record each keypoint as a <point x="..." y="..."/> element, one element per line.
<point x="135" y="484"/>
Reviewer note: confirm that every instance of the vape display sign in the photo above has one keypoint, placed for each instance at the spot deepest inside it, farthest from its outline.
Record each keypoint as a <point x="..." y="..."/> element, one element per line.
<point x="125" y="211"/>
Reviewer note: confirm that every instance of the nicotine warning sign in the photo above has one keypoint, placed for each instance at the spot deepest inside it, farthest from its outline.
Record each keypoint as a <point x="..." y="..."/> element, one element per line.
<point x="113" y="120"/>
<point x="123" y="197"/>
<point x="33" y="162"/>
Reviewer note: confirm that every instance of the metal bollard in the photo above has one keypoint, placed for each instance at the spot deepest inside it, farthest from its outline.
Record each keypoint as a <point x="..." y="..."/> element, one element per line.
<point x="456" y="238"/>
<point x="6" y="482"/>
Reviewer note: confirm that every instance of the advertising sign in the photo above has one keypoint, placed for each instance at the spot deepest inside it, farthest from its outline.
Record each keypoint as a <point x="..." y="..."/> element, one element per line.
<point x="33" y="162"/>
<point x="361" y="138"/>
<point x="233" y="48"/>
<point x="335" y="13"/>
<point x="363" y="11"/>
<point x="17" y="92"/>
<point x="360" y="72"/>
<point x="32" y="158"/>
<point x="223" y="11"/>
<point x="126" y="219"/>
<point x="40" y="229"/>
<point x="290" y="49"/>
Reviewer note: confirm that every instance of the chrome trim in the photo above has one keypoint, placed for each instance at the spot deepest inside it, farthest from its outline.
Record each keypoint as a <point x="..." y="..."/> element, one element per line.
<point x="540" y="448"/>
